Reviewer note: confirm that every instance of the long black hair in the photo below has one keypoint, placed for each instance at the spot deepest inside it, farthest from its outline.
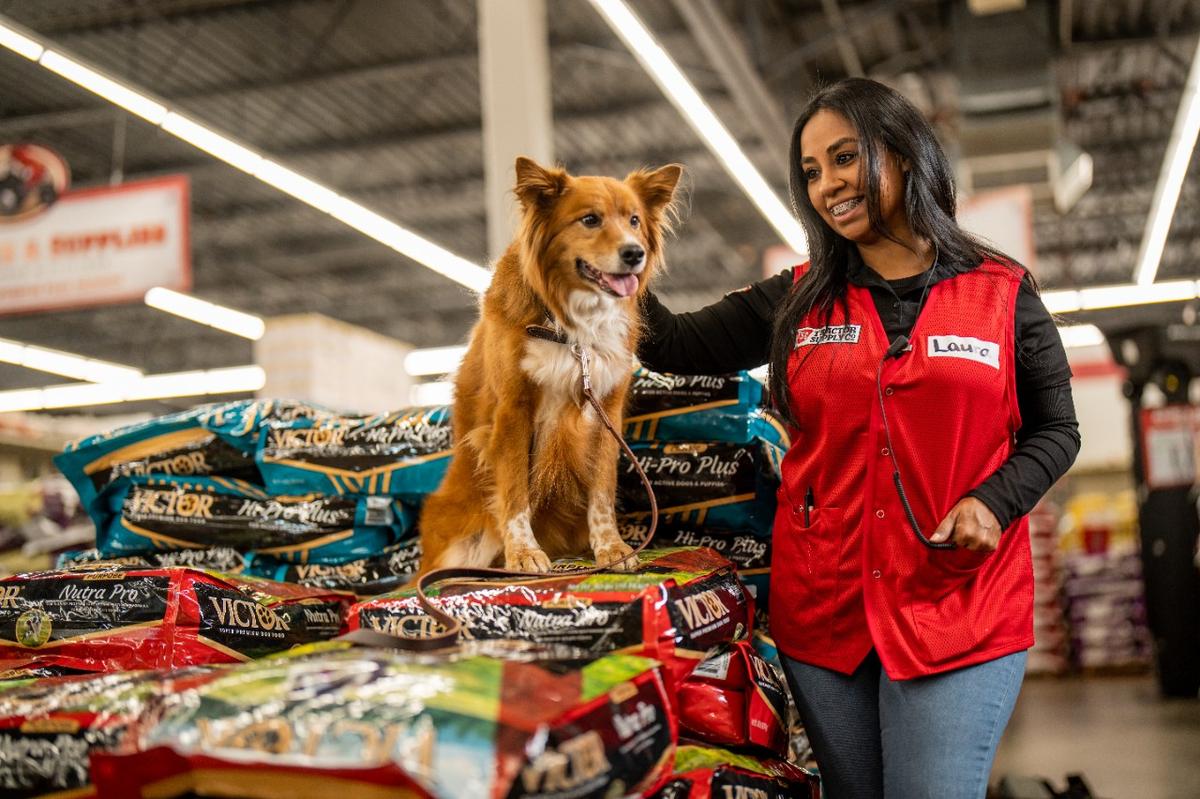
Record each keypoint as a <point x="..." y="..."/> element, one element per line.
<point x="886" y="123"/>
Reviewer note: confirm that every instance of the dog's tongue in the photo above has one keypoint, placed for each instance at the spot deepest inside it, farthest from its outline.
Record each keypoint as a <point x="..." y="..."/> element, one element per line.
<point x="624" y="285"/>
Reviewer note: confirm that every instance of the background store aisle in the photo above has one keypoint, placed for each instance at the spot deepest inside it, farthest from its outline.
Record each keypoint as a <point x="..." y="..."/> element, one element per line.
<point x="1116" y="731"/>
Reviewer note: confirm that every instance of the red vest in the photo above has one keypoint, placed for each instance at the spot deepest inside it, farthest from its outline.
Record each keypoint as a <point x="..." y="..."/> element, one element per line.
<point x="857" y="576"/>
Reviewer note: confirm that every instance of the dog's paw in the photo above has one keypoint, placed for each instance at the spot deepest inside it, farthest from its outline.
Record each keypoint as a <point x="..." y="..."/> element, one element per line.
<point x="527" y="560"/>
<point x="611" y="553"/>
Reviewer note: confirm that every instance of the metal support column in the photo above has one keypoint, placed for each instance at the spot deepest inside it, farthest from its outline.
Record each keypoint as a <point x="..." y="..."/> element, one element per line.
<point x="514" y="79"/>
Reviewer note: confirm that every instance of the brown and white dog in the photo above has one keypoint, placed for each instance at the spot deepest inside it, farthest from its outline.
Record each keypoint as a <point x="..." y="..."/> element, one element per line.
<point x="534" y="472"/>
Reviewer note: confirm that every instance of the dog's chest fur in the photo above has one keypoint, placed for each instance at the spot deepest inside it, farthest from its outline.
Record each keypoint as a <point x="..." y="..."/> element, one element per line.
<point x="602" y="328"/>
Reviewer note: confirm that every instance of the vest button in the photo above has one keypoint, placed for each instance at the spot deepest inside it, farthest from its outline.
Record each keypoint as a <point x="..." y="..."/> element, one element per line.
<point x="889" y="391"/>
<point x="877" y="574"/>
<point x="885" y="452"/>
<point x="879" y="514"/>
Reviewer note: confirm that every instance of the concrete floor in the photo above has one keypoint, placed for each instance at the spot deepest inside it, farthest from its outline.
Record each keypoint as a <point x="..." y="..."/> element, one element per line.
<point x="1116" y="731"/>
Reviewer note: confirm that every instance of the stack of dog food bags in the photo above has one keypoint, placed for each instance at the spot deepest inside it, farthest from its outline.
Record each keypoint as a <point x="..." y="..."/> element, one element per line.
<point x="362" y="721"/>
<point x="294" y="492"/>
<point x="712" y="454"/>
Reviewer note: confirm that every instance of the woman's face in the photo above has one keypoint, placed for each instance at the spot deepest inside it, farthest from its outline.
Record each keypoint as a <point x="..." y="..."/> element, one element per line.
<point x="835" y="171"/>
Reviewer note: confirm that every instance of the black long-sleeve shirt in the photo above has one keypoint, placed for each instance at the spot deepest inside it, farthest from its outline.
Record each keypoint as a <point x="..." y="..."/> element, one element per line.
<point x="734" y="333"/>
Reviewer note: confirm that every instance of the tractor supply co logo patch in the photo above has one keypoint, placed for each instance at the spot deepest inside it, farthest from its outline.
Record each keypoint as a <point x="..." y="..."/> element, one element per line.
<point x="833" y="334"/>
<point x="973" y="349"/>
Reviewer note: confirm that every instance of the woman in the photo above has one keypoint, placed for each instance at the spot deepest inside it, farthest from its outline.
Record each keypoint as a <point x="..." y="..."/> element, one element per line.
<point x="930" y="401"/>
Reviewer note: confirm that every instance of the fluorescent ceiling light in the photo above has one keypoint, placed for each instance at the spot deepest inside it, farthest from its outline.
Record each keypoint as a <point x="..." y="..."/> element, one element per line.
<point x="434" y="361"/>
<point x="1170" y="177"/>
<point x="132" y="101"/>
<point x="20" y="44"/>
<point x="1120" y="296"/>
<point x="233" y="380"/>
<point x="211" y="142"/>
<point x="206" y="313"/>
<point x="237" y="154"/>
<point x="439" y="393"/>
<point x="1081" y="336"/>
<point x="683" y="96"/>
<point x="63" y="363"/>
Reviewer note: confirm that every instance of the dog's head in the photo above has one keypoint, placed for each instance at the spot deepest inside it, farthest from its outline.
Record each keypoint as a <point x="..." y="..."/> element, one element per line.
<point x="594" y="234"/>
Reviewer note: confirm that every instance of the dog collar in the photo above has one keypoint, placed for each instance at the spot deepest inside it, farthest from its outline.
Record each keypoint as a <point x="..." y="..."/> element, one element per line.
<point x="550" y="331"/>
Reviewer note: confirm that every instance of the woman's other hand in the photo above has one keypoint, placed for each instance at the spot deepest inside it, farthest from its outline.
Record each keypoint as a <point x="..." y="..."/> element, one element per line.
<point x="970" y="525"/>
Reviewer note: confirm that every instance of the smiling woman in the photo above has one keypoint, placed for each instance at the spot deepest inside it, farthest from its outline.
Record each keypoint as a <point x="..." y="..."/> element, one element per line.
<point x="904" y="348"/>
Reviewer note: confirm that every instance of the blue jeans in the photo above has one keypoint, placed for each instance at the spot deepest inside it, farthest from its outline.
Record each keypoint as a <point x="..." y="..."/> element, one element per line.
<point x="932" y="737"/>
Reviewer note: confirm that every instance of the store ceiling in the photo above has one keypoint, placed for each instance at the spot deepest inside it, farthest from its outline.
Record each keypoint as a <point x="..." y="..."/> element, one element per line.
<point x="380" y="98"/>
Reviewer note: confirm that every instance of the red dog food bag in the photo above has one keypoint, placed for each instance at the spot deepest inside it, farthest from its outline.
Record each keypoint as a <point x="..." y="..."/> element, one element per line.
<point x="110" y="619"/>
<point x="735" y="698"/>
<point x="451" y="725"/>
<point x="50" y="727"/>
<point x="679" y="604"/>
<point x="703" y="772"/>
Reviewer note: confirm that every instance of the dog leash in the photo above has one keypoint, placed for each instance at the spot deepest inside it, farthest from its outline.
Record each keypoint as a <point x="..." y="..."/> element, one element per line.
<point x="452" y="627"/>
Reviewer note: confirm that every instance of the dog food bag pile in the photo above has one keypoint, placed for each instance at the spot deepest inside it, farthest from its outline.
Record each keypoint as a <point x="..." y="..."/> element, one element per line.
<point x="456" y="725"/>
<point x="110" y="618"/>
<point x="279" y="483"/>
<point x="735" y="698"/>
<point x="668" y="407"/>
<point x="680" y="604"/>
<point x="703" y="772"/>
<point x="207" y="440"/>
<point x="712" y="453"/>
<point x="402" y="454"/>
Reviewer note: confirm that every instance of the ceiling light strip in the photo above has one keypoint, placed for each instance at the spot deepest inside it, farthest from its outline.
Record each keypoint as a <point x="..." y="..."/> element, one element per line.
<point x="62" y="363"/>
<point x="231" y="380"/>
<point x="1171" y="176"/>
<point x="679" y="90"/>
<point x="1120" y="296"/>
<point x="235" y="153"/>
<point x="206" y="313"/>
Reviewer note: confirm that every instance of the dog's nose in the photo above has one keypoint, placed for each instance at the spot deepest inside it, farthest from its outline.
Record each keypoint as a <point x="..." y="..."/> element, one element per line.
<point x="631" y="255"/>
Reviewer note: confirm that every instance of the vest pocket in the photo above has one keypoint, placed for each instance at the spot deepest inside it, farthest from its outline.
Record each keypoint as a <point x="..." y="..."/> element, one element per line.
<point x="804" y="568"/>
<point x="942" y="609"/>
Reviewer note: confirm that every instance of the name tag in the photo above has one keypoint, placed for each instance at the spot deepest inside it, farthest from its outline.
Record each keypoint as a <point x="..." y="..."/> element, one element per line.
<point x="973" y="349"/>
<point x="834" y="334"/>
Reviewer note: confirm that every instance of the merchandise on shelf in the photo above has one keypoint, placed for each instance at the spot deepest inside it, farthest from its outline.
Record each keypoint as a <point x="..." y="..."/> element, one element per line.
<point x="1103" y="592"/>
<point x="680" y="604"/>
<point x="1049" y="654"/>
<point x="110" y="618"/>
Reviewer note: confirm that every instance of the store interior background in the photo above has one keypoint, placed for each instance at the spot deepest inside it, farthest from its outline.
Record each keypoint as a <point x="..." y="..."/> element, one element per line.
<point x="413" y="108"/>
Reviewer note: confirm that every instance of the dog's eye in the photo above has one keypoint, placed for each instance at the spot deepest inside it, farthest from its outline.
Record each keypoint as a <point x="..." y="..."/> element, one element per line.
<point x="591" y="220"/>
<point x="635" y="221"/>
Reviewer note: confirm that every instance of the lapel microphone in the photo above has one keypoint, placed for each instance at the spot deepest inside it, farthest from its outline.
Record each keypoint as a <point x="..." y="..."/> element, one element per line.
<point x="897" y="347"/>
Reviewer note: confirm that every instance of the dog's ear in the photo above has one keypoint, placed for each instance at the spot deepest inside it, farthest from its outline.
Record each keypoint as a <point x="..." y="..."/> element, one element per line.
<point x="537" y="185"/>
<point x="657" y="187"/>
